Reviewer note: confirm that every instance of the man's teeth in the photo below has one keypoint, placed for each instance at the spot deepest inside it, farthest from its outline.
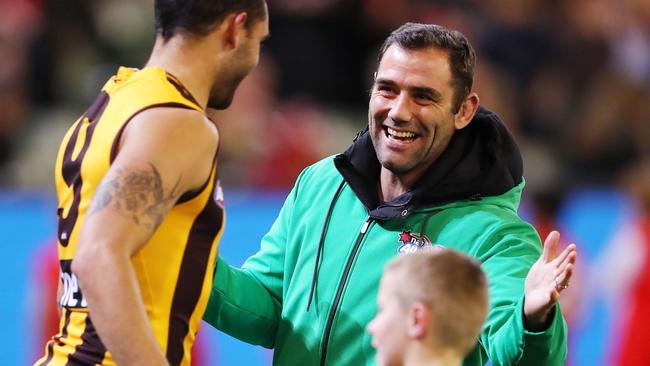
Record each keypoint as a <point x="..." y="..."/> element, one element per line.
<point x="400" y="134"/>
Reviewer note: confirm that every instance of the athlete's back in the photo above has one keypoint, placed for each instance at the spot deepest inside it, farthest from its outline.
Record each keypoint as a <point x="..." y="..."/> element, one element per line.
<point x="140" y="209"/>
<point x="174" y="269"/>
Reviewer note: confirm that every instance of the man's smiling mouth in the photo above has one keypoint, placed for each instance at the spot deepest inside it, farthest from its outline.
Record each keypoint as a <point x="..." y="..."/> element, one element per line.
<point x="399" y="135"/>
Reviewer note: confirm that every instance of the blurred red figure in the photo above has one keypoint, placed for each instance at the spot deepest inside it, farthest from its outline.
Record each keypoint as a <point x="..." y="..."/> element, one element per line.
<point x="292" y="144"/>
<point x="635" y="337"/>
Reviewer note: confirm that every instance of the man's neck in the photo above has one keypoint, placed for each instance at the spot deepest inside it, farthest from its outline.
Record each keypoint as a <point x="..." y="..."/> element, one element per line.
<point x="184" y="60"/>
<point x="392" y="185"/>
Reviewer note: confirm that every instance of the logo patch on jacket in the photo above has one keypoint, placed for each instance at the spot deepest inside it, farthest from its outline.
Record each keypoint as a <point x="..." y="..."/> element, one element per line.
<point x="412" y="242"/>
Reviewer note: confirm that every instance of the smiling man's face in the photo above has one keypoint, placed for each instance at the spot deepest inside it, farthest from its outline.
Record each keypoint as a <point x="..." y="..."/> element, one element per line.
<point x="411" y="116"/>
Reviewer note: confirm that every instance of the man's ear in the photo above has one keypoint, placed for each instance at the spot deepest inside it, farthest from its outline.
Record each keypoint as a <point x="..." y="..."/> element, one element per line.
<point x="419" y="320"/>
<point x="466" y="111"/>
<point x="235" y="29"/>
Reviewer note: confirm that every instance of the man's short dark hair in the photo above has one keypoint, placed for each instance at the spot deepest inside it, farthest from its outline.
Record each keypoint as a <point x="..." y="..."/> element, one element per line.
<point x="415" y="36"/>
<point x="200" y="17"/>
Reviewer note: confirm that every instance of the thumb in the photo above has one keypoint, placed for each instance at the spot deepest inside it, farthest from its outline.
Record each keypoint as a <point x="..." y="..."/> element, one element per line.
<point x="550" y="246"/>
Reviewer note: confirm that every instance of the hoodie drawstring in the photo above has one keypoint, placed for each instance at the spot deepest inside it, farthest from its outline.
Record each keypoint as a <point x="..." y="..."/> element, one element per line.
<point x="425" y="222"/>
<point x="322" y="242"/>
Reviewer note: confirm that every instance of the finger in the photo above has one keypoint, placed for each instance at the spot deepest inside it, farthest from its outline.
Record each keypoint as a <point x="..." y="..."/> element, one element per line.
<point x="550" y="245"/>
<point x="568" y="273"/>
<point x="574" y="250"/>
<point x="554" y="294"/>
<point x="560" y="271"/>
<point x="566" y="253"/>
<point x="564" y="278"/>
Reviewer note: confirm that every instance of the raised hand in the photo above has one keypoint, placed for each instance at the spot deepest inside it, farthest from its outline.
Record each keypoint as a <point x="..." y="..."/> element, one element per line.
<point x="546" y="280"/>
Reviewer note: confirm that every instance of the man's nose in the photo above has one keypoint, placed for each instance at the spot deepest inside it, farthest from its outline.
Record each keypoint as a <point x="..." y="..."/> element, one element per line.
<point x="400" y="110"/>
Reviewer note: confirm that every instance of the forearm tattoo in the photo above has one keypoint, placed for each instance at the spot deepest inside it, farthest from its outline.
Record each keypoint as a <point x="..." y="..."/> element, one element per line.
<point x="136" y="194"/>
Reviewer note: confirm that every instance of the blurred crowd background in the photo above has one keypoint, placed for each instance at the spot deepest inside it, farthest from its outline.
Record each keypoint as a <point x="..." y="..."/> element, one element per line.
<point x="570" y="78"/>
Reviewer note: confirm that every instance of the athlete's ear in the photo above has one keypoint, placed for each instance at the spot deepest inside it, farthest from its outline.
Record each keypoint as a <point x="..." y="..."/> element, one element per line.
<point x="466" y="111"/>
<point x="235" y="30"/>
<point x="419" y="320"/>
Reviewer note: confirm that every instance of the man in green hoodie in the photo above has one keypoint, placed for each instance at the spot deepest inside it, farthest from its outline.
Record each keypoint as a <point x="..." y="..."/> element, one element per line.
<point x="432" y="169"/>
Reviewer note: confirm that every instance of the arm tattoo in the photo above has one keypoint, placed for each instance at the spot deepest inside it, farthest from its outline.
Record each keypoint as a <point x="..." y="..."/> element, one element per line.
<point x="138" y="194"/>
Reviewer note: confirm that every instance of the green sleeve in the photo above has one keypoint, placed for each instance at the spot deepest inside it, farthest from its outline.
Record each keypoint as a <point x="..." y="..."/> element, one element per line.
<point x="504" y="338"/>
<point x="550" y="345"/>
<point x="242" y="307"/>
<point x="246" y="303"/>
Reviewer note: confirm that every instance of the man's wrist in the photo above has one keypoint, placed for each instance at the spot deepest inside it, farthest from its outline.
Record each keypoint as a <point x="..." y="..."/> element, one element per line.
<point x="539" y="323"/>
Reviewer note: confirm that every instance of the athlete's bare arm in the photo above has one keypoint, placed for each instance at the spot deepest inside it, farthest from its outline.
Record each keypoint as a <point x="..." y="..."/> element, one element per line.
<point x="59" y="293"/>
<point x="163" y="154"/>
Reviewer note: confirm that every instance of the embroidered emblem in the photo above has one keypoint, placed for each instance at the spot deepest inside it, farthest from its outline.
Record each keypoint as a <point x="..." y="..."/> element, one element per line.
<point x="412" y="242"/>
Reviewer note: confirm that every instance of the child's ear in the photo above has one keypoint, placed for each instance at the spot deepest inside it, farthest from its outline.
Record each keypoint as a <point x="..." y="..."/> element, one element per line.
<point x="419" y="319"/>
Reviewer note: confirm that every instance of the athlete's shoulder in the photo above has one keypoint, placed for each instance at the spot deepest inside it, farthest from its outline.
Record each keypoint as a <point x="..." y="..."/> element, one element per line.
<point x="175" y="122"/>
<point x="148" y="87"/>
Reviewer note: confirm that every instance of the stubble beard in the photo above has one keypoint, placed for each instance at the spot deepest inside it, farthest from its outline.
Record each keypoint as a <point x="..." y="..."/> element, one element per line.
<point x="221" y="96"/>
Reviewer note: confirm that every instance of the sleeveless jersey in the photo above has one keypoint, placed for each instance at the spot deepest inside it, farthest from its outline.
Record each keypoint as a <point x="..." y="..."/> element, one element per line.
<point x="175" y="268"/>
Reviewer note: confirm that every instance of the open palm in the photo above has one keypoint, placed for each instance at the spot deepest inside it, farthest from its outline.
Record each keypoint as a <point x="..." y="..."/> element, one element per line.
<point x="547" y="278"/>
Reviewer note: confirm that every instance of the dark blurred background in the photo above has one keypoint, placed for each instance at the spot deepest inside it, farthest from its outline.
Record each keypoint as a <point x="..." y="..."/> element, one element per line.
<point x="570" y="78"/>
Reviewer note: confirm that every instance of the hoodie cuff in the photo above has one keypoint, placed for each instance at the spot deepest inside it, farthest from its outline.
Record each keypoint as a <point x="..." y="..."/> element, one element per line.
<point x="539" y="339"/>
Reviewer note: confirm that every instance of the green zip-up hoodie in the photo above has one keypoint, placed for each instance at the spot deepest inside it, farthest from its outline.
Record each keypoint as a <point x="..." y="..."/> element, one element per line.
<point x="311" y="289"/>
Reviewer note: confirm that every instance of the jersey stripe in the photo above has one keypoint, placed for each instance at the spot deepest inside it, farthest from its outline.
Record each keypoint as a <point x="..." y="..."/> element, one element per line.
<point x="91" y="351"/>
<point x="191" y="276"/>
<point x="181" y="89"/>
<point x="193" y="194"/>
<point x="55" y="340"/>
<point x="71" y="167"/>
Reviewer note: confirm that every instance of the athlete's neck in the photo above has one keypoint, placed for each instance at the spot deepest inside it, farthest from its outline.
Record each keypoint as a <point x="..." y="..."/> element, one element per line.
<point x="189" y="61"/>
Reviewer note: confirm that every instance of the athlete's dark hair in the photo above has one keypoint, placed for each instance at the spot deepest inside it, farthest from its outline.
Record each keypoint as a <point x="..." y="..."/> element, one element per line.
<point x="415" y="36"/>
<point x="199" y="17"/>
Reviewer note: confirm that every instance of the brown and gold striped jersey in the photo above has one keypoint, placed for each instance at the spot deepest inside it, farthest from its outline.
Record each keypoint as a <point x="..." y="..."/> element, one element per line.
<point x="175" y="267"/>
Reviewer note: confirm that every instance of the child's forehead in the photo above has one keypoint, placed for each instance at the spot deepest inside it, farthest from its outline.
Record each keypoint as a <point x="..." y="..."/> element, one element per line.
<point x="389" y="280"/>
<point x="394" y="274"/>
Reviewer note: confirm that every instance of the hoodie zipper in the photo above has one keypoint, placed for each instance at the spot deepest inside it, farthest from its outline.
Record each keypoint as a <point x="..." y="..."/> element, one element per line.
<point x="339" y="292"/>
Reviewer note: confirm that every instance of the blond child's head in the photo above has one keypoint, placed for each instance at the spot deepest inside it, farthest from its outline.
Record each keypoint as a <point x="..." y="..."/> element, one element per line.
<point x="434" y="301"/>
